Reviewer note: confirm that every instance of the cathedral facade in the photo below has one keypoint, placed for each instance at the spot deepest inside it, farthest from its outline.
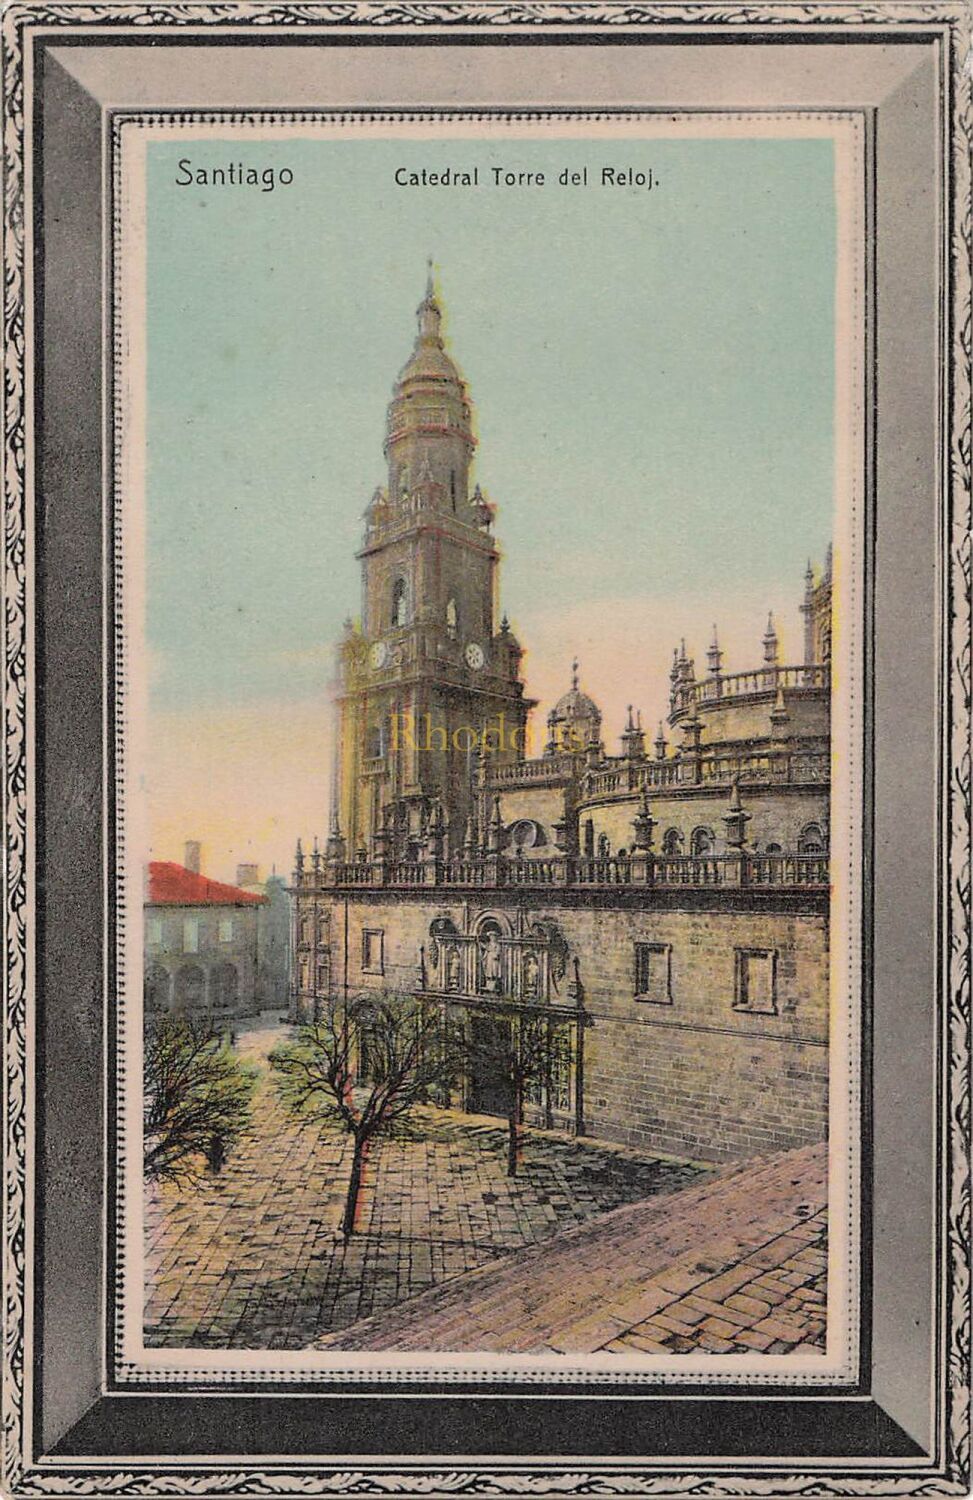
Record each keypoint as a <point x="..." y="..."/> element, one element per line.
<point x="661" y="911"/>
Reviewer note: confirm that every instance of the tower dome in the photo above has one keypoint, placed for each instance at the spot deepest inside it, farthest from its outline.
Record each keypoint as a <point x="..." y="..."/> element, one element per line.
<point x="575" y="720"/>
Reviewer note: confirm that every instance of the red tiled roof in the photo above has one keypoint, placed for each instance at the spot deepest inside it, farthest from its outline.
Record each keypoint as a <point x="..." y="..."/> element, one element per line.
<point x="173" y="885"/>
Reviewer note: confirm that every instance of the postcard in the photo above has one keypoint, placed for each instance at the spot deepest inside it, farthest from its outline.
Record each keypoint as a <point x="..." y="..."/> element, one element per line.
<point x="488" y="799"/>
<point x="492" y="501"/>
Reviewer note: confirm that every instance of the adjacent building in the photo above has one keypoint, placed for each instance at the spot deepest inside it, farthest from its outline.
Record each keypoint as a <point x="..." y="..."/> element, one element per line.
<point x="663" y="908"/>
<point x="201" y="942"/>
<point x="273" y="936"/>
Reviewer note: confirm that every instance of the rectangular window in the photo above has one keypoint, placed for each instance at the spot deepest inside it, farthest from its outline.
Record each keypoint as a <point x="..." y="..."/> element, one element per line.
<point x="190" y="935"/>
<point x="652" y="972"/>
<point x="373" y="951"/>
<point x="226" y="929"/>
<point x="153" y="932"/>
<point x="755" y="986"/>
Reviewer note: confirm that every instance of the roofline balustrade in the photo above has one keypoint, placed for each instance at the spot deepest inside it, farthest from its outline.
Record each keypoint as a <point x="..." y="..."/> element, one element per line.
<point x="756" y="683"/>
<point x="731" y="870"/>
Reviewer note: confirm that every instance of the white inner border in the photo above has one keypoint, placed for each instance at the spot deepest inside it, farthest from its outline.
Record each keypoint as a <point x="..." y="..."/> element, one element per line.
<point x="220" y="1368"/>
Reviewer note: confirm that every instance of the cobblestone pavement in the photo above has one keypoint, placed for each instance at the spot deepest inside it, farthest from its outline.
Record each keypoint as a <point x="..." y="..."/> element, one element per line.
<point x="251" y="1258"/>
<point x="734" y="1265"/>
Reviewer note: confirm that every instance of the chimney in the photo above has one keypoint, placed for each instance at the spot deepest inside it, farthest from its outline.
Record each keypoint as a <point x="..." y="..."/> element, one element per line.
<point x="248" y="875"/>
<point x="191" y="858"/>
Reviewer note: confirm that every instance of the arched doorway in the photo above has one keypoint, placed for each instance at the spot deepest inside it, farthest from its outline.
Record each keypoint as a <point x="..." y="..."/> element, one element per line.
<point x="225" y="987"/>
<point x="156" y="991"/>
<point x="190" y="989"/>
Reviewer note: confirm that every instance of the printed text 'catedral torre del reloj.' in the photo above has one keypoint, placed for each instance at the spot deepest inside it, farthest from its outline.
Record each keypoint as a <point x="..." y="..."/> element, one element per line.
<point x="664" y="908"/>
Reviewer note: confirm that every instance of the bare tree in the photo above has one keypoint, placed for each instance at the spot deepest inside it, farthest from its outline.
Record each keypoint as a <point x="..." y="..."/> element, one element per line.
<point x="196" y="1098"/>
<point x="409" y="1059"/>
<point x="518" y="1054"/>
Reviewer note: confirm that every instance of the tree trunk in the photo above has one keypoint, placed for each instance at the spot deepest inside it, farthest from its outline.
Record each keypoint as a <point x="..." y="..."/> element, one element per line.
<point x="354" y="1187"/>
<point x="514" y="1123"/>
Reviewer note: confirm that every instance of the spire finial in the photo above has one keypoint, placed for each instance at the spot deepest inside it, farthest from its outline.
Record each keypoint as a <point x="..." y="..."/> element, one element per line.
<point x="429" y="313"/>
<point x="770" y="641"/>
<point x="714" y="655"/>
<point x="574" y="674"/>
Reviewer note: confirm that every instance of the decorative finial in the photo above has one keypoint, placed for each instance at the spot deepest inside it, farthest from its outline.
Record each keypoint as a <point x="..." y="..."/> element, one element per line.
<point x="574" y="674"/>
<point x="429" y="286"/>
<point x="770" y="641"/>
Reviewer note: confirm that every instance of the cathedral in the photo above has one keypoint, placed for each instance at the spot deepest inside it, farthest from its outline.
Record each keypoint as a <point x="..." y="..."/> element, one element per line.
<point x="663" y="908"/>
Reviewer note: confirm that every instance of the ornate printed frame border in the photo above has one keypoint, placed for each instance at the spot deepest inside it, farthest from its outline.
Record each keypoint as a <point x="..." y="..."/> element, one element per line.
<point x="23" y="1474"/>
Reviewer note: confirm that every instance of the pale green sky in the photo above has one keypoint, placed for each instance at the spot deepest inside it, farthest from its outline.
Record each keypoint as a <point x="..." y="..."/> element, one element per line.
<point x="652" y="376"/>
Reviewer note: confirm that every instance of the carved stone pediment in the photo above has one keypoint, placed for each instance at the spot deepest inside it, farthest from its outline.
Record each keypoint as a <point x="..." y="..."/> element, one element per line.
<point x="490" y="960"/>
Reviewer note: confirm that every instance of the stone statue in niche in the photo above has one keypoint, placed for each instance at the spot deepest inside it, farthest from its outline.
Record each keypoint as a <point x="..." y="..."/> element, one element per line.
<point x="453" y="970"/>
<point x="531" y="977"/>
<point x="490" y="962"/>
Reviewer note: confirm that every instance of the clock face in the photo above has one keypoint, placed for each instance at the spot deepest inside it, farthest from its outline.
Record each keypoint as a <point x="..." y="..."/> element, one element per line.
<point x="378" y="655"/>
<point x="474" y="656"/>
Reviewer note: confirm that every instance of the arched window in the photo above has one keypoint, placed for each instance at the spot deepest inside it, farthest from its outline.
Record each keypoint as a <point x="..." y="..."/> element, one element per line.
<point x="225" y="987"/>
<point x="773" y="849"/>
<point x="399" y="602"/>
<point x="452" y="619"/>
<point x="524" y="834"/>
<point x="811" y="840"/>
<point x="702" y="841"/>
<point x="190" y="988"/>
<point x="604" y="847"/>
<point x="156" y="990"/>
<point x="672" y="842"/>
<point x="589" y="838"/>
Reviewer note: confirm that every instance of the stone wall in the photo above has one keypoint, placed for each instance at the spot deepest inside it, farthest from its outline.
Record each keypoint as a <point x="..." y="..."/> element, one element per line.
<point x="776" y="816"/>
<point x="694" y="1073"/>
<point x="197" y="969"/>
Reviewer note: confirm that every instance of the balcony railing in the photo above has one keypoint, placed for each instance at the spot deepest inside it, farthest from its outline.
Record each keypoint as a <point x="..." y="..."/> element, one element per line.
<point x="782" y="768"/>
<point x="750" y="684"/>
<point x="690" y="872"/>
<point x="549" y="768"/>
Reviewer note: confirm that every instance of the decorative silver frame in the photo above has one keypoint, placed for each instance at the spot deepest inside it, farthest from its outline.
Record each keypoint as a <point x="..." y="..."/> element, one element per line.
<point x="50" y="1461"/>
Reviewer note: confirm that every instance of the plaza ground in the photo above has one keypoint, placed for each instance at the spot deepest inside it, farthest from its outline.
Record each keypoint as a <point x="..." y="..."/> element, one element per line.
<point x="251" y="1258"/>
<point x="734" y="1265"/>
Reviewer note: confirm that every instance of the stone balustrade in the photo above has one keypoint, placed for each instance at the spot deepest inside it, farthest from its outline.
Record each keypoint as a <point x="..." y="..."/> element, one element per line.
<point x="779" y="768"/>
<point x="712" y="871"/>
<point x="760" y="680"/>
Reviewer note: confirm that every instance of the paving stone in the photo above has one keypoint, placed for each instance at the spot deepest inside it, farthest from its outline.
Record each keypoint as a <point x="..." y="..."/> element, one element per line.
<point x="624" y="1261"/>
<point x="252" y="1258"/>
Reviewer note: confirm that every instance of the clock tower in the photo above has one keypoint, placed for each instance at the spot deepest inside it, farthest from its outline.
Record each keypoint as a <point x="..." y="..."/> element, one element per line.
<point x="428" y="682"/>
